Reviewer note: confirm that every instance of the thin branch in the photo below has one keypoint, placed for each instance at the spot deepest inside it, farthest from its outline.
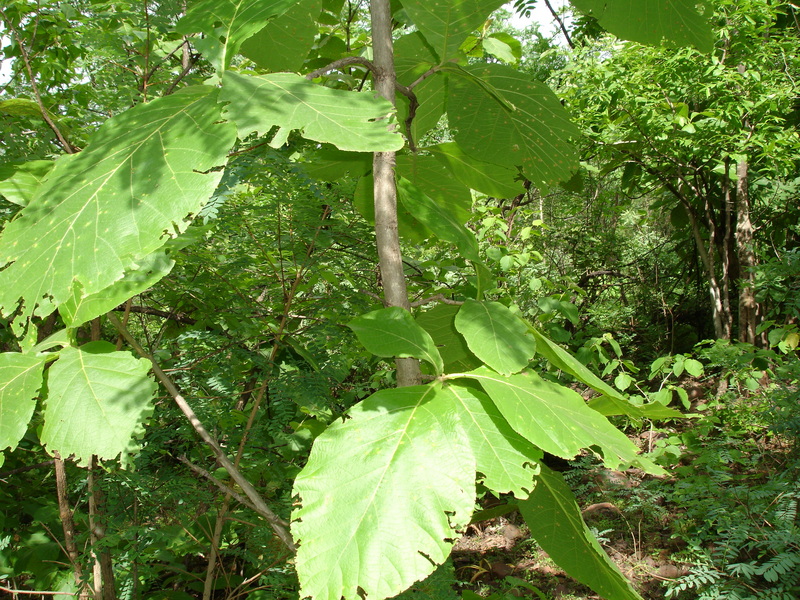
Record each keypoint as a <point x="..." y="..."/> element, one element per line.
<point x="224" y="488"/>
<point x="274" y="520"/>
<point x="340" y="64"/>
<point x="560" y="23"/>
<point x="436" y="298"/>
<point x="32" y="592"/>
<point x="45" y="113"/>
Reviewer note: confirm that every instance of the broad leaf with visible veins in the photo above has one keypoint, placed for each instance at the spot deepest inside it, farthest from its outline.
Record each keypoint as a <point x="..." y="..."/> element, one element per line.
<point x="556" y="418"/>
<point x="505" y="117"/>
<point x="227" y="24"/>
<point x="348" y="120"/>
<point x="652" y="21"/>
<point x="611" y="402"/>
<point x="19" y="182"/>
<point x="392" y="332"/>
<point x="97" y="401"/>
<point x="286" y="40"/>
<point x="447" y="23"/>
<point x="99" y="212"/>
<point x="488" y="178"/>
<point x="504" y="459"/>
<point x="555" y="522"/>
<point x="20" y="380"/>
<point x="496" y="335"/>
<point x="382" y="495"/>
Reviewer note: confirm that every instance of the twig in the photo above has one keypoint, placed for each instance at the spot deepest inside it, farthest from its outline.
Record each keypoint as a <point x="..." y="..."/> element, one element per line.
<point x="341" y="63"/>
<point x="560" y="24"/>
<point x="274" y="520"/>
<point x="436" y="298"/>
<point x="35" y="88"/>
<point x="224" y="488"/>
<point x="31" y="592"/>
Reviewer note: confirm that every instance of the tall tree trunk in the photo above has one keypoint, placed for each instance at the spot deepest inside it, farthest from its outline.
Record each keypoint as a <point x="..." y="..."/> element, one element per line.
<point x="747" y="259"/>
<point x="707" y="257"/>
<point x="387" y="238"/>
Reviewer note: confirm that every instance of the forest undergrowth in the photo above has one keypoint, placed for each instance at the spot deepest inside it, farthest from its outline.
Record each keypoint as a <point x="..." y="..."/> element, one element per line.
<point x="723" y="524"/>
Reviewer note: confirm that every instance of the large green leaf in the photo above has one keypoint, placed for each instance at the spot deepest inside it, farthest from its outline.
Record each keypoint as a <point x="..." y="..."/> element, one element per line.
<point x="555" y="522"/>
<point x="505" y="117"/>
<point x="412" y="58"/>
<point x="436" y="182"/>
<point x="556" y="419"/>
<point x="504" y="459"/>
<point x="439" y="322"/>
<point x="383" y="495"/>
<point x="611" y="402"/>
<point x="285" y="42"/>
<point x="653" y="21"/>
<point x="19" y="182"/>
<point x="488" y="178"/>
<point x="393" y="332"/>
<point x="227" y="24"/>
<point x="138" y="182"/>
<point x="496" y="335"/>
<point x="82" y="308"/>
<point x="441" y="221"/>
<point x="447" y="23"/>
<point x="348" y="120"/>
<point x="20" y="380"/>
<point x="97" y="401"/>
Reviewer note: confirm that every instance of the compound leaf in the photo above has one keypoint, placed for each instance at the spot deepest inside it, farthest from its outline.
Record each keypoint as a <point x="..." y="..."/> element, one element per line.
<point x="382" y="495"/>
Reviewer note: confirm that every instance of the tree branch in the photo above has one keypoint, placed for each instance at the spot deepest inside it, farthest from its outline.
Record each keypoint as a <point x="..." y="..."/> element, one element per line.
<point x="274" y="520"/>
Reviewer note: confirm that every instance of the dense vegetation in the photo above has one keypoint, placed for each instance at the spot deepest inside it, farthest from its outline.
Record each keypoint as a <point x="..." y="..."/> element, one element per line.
<point x="333" y="298"/>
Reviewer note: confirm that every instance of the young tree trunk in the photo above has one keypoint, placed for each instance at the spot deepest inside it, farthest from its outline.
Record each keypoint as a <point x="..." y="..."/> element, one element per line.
<point x="747" y="260"/>
<point x="68" y="525"/>
<point x="387" y="238"/>
<point x="104" y="587"/>
<point x="721" y="324"/>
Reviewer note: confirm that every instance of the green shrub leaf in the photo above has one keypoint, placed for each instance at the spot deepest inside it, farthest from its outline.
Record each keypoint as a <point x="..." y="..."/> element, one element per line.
<point x="348" y="120"/>
<point x="653" y="21"/>
<point x="20" y="380"/>
<point x="97" y="401"/>
<point x="382" y="495"/>
<point x="556" y="419"/>
<point x="555" y="522"/>
<point x="138" y="182"/>
<point x="495" y="335"/>
<point x="392" y="332"/>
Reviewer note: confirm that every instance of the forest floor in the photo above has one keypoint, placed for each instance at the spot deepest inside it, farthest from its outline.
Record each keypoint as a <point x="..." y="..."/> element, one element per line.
<point x="730" y="502"/>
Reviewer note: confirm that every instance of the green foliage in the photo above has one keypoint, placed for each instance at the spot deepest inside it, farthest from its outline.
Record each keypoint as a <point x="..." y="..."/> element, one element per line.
<point x="246" y="311"/>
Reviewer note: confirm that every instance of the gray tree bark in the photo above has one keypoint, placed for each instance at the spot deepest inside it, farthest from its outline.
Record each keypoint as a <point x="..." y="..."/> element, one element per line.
<point x="385" y="189"/>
